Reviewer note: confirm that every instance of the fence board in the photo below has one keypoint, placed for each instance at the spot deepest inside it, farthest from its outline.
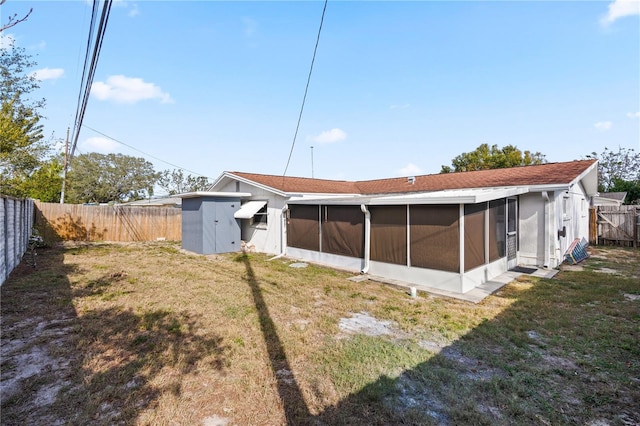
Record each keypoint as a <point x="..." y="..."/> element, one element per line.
<point x="618" y="225"/>
<point x="108" y="223"/>
<point x="16" y="220"/>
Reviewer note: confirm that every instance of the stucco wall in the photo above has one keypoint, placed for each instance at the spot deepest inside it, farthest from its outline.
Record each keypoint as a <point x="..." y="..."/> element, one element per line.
<point x="266" y="238"/>
<point x="531" y="229"/>
<point x="572" y="215"/>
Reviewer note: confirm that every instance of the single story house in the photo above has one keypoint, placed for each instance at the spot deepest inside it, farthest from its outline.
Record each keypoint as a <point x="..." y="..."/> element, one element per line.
<point x="452" y="231"/>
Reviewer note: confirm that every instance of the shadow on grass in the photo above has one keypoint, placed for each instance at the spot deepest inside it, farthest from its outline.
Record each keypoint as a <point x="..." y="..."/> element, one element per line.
<point x="565" y="352"/>
<point x="105" y="366"/>
<point x="295" y="407"/>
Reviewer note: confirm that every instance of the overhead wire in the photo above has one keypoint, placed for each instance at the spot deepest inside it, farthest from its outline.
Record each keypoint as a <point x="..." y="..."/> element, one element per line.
<point x="142" y="152"/>
<point x="90" y="66"/>
<point x="306" y="89"/>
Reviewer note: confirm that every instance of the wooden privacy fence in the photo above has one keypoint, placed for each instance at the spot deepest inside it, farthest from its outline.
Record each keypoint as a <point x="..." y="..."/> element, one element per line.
<point x="107" y="223"/>
<point x="615" y="225"/>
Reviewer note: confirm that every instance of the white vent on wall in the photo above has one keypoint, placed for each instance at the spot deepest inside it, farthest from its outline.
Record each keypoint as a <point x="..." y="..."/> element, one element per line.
<point x="411" y="179"/>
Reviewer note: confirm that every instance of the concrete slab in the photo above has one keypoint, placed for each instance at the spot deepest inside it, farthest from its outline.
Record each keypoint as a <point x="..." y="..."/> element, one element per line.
<point x="475" y="296"/>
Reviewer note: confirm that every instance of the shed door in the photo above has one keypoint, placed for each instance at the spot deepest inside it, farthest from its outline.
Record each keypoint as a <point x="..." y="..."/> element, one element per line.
<point x="512" y="233"/>
<point x="226" y="227"/>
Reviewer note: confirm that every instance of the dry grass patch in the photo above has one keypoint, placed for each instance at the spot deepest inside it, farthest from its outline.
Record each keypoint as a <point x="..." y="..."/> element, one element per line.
<point x="145" y="333"/>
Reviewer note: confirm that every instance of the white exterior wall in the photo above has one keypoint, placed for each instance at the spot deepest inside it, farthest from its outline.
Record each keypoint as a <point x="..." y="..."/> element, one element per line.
<point x="419" y="276"/>
<point x="267" y="238"/>
<point x="532" y="228"/>
<point x="352" y="264"/>
<point x="480" y="275"/>
<point x="572" y="215"/>
<point x="568" y="210"/>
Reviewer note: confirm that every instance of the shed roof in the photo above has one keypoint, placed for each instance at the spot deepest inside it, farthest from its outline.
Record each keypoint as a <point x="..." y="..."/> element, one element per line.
<point x="539" y="175"/>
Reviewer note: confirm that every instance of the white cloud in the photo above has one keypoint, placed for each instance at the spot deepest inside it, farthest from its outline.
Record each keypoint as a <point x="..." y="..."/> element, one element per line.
<point x="128" y="90"/>
<point x="6" y="40"/>
<point x="603" y="126"/>
<point x="134" y="11"/>
<point x="410" y="170"/>
<point x="48" y="74"/>
<point x="39" y="46"/>
<point x="250" y="26"/>
<point x="100" y="144"/>
<point x="331" y="136"/>
<point x="633" y="114"/>
<point x="619" y="9"/>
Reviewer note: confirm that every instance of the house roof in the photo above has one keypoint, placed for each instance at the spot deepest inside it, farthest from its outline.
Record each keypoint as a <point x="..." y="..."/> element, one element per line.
<point x="155" y="202"/>
<point x="618" y="196"/>
<point x="539" y="175"/>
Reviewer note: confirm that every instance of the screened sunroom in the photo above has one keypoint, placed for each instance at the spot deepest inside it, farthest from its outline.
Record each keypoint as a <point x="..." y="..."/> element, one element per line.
<point x="451" y="240"/>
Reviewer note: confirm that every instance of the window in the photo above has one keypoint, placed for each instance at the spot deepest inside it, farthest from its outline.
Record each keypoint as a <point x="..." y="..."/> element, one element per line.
<point x="497" y="230"/>
<point x="474" y="216"/>
<point x="260" y="217"/>
<point x="565" y="207"/>
<point x="303" y="227"/>
<point x="255" y="211"/>
<point x="435" y="237"/>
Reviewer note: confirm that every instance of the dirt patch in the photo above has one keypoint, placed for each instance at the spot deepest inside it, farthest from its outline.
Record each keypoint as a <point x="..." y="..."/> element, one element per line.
<point x="364" y="323"/>
<point x="413" y="395"/>
<point x="25" y="358"/>
<point x="472" y="369"/>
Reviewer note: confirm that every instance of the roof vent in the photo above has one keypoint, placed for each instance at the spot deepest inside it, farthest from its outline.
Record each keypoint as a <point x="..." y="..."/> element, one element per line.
<point x="411" y="179"/>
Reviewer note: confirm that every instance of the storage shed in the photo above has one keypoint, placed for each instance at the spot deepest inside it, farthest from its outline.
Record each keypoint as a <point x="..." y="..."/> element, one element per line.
<point x="208" y="222"/>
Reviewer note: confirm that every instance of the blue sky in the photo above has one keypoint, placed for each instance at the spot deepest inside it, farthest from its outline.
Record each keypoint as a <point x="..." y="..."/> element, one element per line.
<point x="398" y="88"/>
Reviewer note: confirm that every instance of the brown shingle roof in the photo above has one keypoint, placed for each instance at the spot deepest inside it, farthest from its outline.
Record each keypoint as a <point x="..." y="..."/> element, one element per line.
<point x="302" y="185"/>
<point x="543" y="174"/>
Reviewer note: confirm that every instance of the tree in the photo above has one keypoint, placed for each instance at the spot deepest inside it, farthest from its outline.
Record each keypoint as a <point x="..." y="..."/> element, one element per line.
<point x="483" y="158"/>
<point x="174" y="182"/>
<point x="620" y="166"/>
<point x="13" y="19"/>
<point x="632" y="188"/>
<point x="22" y="144"/>
<point x="45" y="184"/>
<point x="105" y="178"/>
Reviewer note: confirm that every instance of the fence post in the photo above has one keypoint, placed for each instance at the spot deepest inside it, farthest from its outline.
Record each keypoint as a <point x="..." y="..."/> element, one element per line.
<point x="593" y="225"/>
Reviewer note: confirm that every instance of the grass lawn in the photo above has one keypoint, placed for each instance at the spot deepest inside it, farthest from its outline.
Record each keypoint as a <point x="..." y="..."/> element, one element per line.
<point x="147" y="334"/>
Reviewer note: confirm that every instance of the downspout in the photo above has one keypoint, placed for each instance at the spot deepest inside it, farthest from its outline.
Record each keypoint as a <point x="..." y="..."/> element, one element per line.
<point x="283" y="227"/>
<point x="367" y="238"/>
<point x="547" y="228"/>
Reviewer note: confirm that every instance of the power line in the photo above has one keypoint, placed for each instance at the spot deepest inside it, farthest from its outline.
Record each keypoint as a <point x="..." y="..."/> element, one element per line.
<point x="90" y="66"/>
<point x="306" y="89"/>
<point x="142" y="152"/>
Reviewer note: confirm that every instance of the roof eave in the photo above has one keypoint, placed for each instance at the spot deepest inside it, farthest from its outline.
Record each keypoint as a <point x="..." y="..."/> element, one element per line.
<point x="250" y="182"/>
<point x="200" y="194"/>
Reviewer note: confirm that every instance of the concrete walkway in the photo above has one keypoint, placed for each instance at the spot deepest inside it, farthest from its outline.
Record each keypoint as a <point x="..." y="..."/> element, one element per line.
<point x="475" y="296"/>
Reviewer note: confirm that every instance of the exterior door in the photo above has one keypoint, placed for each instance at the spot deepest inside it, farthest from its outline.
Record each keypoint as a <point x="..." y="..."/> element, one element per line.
<point x="226" y="227"/>
<point x="512" y="233"/>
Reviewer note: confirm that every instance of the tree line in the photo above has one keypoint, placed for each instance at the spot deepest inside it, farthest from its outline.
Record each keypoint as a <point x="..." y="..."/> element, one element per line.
<point x="31" y="167"/>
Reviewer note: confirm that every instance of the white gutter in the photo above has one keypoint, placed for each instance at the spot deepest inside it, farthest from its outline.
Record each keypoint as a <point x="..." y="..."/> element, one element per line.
<point x="199" y="194"/>
<point x="283" y="227"/>
<point x="367" y="238"/>
<point x="547" y="228"/>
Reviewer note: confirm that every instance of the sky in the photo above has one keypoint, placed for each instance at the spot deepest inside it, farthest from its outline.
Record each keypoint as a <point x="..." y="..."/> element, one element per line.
<point x="397" y="88"/>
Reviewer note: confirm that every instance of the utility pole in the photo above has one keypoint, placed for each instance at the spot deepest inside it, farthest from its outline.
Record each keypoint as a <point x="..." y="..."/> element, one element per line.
<point x="312" y="161"/>
<point x="64" y="169"/>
